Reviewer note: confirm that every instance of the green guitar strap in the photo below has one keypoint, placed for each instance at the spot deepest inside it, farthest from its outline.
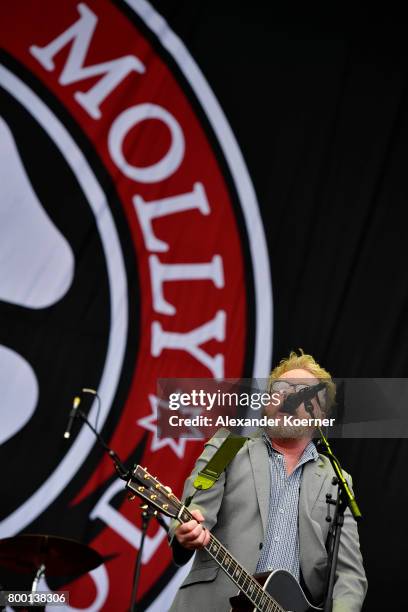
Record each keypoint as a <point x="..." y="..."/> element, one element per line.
<point x="219" y="461"/>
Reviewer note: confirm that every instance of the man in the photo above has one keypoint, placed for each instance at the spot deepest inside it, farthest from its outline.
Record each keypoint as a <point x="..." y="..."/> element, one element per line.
<point x="269" y="509"/>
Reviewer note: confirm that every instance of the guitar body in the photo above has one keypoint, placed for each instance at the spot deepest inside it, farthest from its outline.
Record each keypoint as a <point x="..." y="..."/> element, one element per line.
<point x="283" y="587"/>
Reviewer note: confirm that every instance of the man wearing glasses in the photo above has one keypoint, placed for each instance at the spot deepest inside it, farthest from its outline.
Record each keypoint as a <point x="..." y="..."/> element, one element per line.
<point x="269" y="507"/>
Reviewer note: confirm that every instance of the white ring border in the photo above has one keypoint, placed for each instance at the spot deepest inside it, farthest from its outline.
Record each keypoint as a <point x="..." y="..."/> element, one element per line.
<point x="72" y="461"/>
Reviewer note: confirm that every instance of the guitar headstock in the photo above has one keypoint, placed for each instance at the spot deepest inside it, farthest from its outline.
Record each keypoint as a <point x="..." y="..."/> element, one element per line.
<point x="146" y="486"/>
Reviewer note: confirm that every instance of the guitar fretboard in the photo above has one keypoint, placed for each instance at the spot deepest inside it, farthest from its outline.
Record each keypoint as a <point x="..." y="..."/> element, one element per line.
<point x="243" y="579"/>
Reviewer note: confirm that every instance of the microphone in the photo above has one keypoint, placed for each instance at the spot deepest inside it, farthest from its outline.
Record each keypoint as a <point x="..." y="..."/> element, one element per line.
<point x="72" y="416"/>
<point x="293" y="401"/>
<point x="75" y="406"/>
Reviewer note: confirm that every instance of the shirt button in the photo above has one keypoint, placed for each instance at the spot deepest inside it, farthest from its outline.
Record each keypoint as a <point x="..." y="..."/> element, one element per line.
<point x="276" y="539"/>
<point x="281" y="510"/>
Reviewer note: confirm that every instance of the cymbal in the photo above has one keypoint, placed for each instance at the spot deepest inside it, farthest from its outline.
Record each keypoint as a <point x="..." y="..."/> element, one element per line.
<point x="61" y="556"/>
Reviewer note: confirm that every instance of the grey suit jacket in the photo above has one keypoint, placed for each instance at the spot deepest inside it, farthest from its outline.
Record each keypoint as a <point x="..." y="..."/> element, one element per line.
<point x="236" y="511"/>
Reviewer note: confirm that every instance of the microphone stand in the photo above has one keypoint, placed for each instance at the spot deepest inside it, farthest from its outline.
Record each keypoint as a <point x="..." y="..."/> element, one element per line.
<point x="345" y="497"/>
<point x="147" y="513"/>
<point x="123" y="473"/>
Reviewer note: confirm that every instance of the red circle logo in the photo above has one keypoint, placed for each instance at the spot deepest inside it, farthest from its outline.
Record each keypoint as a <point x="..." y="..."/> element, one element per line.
<point x="143" y="258"/>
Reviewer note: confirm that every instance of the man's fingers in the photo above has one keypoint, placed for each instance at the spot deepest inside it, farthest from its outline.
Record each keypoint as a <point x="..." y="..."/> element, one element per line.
<point x="193" y="534"/>
<point x="206" y="537"/>
<point x="201" y="540"/>
<point x="197" y="515"/>
<point x="187" y="527"/>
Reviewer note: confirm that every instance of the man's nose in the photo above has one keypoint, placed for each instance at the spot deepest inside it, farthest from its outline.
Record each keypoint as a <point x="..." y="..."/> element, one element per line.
<point x="286" y="392"/>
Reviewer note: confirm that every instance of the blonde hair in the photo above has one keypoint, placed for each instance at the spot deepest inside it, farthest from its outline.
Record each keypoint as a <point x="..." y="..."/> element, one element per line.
<point x="306" y="362"/>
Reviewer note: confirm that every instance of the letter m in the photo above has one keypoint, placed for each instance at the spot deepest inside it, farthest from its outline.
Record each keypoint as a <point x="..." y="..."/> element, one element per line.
<point x="79" y="36"/>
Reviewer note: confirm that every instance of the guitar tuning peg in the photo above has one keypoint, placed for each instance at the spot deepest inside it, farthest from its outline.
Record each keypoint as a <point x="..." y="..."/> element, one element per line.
<point x="168" y="489"/>
<point x="131" y="496"/>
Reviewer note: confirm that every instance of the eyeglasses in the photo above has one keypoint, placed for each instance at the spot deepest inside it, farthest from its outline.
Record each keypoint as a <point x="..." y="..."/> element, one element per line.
<point x="283" y="386"/>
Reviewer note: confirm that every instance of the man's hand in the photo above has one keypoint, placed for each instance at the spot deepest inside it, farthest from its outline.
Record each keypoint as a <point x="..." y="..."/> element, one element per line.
<point x="193" y="535"/>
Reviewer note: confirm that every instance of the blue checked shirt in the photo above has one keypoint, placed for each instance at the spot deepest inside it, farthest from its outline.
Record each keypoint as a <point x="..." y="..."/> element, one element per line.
<point x="281" y="544"/>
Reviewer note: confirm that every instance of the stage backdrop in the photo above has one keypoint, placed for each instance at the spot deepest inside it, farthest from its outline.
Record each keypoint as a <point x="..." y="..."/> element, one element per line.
<point x="161" y="165"/>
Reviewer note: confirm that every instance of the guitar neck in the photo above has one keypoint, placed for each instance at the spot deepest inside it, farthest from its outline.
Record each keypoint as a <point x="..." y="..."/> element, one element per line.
<point x="243" y="579"/>
<point x="147" y="487"/>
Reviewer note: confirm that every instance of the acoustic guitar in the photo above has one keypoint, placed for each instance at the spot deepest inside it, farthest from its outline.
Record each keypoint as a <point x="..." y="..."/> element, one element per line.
<point x="276" y="591"/>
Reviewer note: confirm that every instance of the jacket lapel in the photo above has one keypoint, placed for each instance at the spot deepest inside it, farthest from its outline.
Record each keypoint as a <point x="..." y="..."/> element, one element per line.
<point x="313" y="478"/>
<point x="259" y="458"/>
<point x="313" y="557"/>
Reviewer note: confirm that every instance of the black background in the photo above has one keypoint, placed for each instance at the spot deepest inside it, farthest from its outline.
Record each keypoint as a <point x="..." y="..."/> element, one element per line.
<point x="317" y="98"/>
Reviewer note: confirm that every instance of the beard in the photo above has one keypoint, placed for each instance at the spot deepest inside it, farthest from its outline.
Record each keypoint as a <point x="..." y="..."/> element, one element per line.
<point x="288" y="431"/>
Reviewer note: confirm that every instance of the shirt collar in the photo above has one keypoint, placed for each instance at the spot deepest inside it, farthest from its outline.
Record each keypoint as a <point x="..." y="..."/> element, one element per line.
<point x="309" y="454"/>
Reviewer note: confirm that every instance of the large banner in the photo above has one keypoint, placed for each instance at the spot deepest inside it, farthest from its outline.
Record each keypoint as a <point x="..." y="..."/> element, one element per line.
<point x="131" y="249"/>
